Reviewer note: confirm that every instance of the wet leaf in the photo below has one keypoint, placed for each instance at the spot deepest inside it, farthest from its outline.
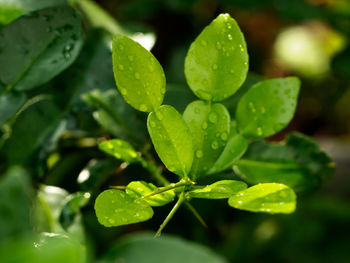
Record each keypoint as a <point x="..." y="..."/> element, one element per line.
<point x="120" y="149"/>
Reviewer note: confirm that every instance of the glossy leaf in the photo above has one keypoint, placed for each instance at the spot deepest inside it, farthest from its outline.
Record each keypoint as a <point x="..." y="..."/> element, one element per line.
<point x="138" y="189"/>
<point x="10" y="103"/>
<point x="234" y="149"/>
<point x="138" y="75"/>
<point x="216" y="64"/>
<point x="120" y="149"/>
<point x="210" y="127"/>
<point x="116" y="208"/>
<point x="218" y="190"/>
<point x="267" y="107"/>
<point x="271" y="198"/>
<point x="35" y="62"/>
<point x="299" y="163"/>
<point x="172" y="139"/>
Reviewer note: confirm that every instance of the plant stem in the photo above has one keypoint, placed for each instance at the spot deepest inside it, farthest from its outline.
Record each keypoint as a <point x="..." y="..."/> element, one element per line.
<point x="119" y="187"/>
<point x="169" y="187"/>
<point x="196" y="214"/>
<point x="171" y="214"/>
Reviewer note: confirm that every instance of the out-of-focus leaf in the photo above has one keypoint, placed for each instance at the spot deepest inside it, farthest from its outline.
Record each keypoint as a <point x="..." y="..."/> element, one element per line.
<point x="218" y="190"/>
<point x="138" y="74"/>
<point x="120" y="149"/>
<point x="172" y="139"/>
<point x="35" y="62"/>
<point x="234" y="149"/>
<point x="138" y="189"/>
<point x="210" y="128"/>
<point x="267" y="107"/>
<point x="216" y="64"/>
<point x="299" y="163"/>
<point x="271" y="198"/>
<point x="11" y="9"/>
<point x="144" y="248"/>
<point x="72" y="207"/>
<point x="116" y="208"/>
<point x="116" y="116"/>
<point x="35" y="132"/>
<point x="10" y="102"/>
<point x="16" y="195"/>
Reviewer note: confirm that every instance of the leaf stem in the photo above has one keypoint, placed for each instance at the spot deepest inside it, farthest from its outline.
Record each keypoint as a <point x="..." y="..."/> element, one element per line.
<point x="169" y="187"/>
<point x="196" y="214"/>
<point x="171" y="214"/>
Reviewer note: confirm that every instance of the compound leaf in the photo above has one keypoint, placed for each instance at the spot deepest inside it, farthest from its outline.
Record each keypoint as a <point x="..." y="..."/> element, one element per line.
<point x="267" y="107"/>
<point x="116" y="208"/>
<point x="271" y="198"/>
<point x="138" y="189"/>
<point x="172" y="139"/>
<point x="210" y="127"/>
<point x="216" y="64"/>
<point x="120" y="149"/>
<point x="218" y="190"/>
<point x="35" y="62"/>
<point x="138" y="74"/>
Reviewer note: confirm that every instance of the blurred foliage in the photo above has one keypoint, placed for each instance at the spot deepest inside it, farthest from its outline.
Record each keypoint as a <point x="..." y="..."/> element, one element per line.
<point x="50" y="163"/>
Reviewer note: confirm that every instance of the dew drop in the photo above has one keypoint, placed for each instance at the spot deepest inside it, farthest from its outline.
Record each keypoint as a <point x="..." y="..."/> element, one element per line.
<point x="111" y="221"/>
<point x="203" y="43"/>
<point x="241" y="48"/>
<point x="229" y="36"/>
<point x="199" y="154"/>
<point x="204" y="125"/>
<point x="121" y="47"/>
<point x="218" y="45"/>
<point x="259" y="131"/>
<point x="215" y="145"/>
<point x="121" y="67"/>
<point x="153" y="124"/>
<point x="228" y="25"/>
<point x="263" y="110"/>
<point x="131" y="58"/>
<point x="204" y="95"/>
<point x="224" y="136"/>
<point x="252" y="107"/>
<point x="213" y="117"/>
<point x="232" y="71"/>
<point x="196" y="110"/>
<point x="137" y="75"/>
<point x="215" y="67"/>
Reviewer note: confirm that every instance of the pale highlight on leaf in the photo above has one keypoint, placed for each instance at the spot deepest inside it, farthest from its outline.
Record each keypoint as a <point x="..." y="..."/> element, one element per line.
<point x="120" y="149"/>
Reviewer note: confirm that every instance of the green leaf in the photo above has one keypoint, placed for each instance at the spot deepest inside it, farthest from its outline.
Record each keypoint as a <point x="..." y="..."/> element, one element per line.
<point x="10" y="103"/>
<point x="138" y="189"/>
<point x="35" y="62"/>
<point x="172" y="139"/>
<point x="234" y="149"/>
<point x="138" y="74"/>
<point x="218" y="190"/>
<point x="267" y="107"/>
<point x="144" y="248"/>
<point x="116" y="208"/>
<point x="216" y="64"/>
<point x="72" y="207"/>
<point x="210" y="127"/>
<point x="34" y="133"/>
<point x="271" y="198"/>
<point x="16" y="195"/>
<point x="120" y="149"/>
<point x="299" y="163"/>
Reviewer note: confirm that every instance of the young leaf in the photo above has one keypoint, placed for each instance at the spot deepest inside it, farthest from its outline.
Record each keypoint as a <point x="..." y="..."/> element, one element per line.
<point x="210" y="126"/>
<point x="267" y="107"/>
<point x="116" y="208"/>
<point x="218" y="190"/>
<point x="120" y="149"/>
<point x="138" y="75"/>
<point x="216" y="64"/>
<point x="172" y="139"/>
<point x="271" y="198"/>
<point x="138" y="189"/>
<point x="35" y="62"/>
<point x="10" y="103"/>
<point x="234" y="149"/>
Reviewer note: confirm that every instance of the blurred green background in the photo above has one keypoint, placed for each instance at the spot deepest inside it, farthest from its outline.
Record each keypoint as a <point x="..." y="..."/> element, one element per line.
<point x="306" y="38"/>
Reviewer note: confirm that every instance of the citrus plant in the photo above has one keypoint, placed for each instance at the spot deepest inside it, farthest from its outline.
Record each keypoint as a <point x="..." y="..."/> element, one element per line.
<point x="205" y="140"/>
